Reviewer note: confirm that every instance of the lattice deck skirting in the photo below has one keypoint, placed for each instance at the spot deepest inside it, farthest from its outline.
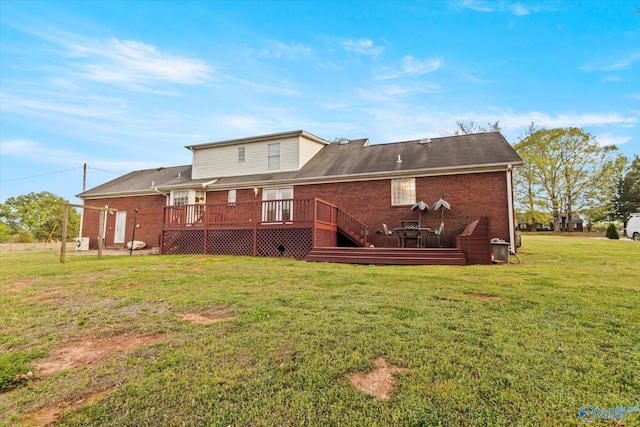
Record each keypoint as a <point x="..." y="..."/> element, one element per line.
<point x="277" y="242"/>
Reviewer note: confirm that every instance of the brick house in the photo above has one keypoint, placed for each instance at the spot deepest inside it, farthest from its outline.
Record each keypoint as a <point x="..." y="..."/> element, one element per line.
<point x="278" y="184"/>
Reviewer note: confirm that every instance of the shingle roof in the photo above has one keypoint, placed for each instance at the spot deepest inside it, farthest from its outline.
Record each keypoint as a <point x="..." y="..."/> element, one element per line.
<point x="142" y="182"/>
<point x="463" y="151"/>
<point x="338" y="161"/>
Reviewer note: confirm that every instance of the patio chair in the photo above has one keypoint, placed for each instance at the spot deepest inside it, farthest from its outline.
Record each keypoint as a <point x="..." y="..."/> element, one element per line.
<point x="410" y="231"/>
<point x="440" y="234"/>
<point x="388" y="233"/>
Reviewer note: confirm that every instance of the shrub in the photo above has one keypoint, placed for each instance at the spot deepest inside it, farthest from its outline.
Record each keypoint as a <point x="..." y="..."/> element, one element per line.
<point x="23" y="236"/>
<point x="612" y="233"/>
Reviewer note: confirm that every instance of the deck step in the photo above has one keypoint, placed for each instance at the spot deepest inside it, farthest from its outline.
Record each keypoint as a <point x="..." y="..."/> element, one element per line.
<point x="383" y="256"/>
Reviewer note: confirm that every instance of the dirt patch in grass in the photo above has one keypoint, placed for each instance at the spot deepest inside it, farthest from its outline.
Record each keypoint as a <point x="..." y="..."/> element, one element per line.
<point x="90" y="351"/>
<point x="485" y="297"/>
<point x="378" y="382"/>
<point x="128" y="286"/>
<point x="50" y="415"/>
<point x="205" y="319"/>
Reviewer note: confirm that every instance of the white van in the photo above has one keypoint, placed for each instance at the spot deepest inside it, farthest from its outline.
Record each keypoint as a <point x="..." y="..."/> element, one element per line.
<point x="633" y="227"/>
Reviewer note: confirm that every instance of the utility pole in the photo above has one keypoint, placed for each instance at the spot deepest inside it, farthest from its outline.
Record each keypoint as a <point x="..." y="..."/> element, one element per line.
<point x="84" y="188"/>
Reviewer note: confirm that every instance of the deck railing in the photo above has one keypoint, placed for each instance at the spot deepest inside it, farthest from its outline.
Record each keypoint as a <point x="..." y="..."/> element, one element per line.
<point x="313" y="212"/>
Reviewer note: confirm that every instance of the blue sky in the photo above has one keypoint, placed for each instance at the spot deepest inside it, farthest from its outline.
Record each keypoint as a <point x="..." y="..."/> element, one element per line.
<point x="125" y="85"/>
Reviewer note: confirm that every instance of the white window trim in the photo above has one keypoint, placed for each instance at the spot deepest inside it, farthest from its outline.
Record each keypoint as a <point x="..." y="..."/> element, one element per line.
<point x="191" y="197"/>
<point x="242" y="154"/>
<point x="273" y="159"/>
<point x="403" y="191"/>
<point x="232" y="196"/>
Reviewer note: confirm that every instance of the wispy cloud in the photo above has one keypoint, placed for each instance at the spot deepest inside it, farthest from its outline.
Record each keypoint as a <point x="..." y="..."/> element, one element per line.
<point x="610" y="64"/>
<point x="410" y="66"/>
<point x="517" y="8"/>
<point x="362" y="47"/>
<point x="277" y="50"/>
<point x="39" y="152"/>
<point x="136" y="63"/>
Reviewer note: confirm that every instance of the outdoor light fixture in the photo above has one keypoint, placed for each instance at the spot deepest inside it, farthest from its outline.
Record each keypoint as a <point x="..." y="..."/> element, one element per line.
<point x="135" y="225"/>
<point x="256" y="190"/>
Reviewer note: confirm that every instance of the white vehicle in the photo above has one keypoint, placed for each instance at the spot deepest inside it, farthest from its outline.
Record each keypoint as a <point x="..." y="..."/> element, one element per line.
<point x="633" y="227"/>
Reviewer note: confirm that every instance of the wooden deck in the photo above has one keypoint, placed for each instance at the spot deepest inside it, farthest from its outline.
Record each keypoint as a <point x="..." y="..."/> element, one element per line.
<point x="389" y="256"/>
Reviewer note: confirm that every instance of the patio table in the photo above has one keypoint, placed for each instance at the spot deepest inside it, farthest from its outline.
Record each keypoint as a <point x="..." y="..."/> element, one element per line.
<point x="421" y="230"/>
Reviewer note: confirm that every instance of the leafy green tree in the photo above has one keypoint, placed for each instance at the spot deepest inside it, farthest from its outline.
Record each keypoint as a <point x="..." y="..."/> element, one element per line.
<point x="5" y="232"/>
<point x="568" y="170"/>
<point x="42" y="214"/>
<point x="627" y="199"/>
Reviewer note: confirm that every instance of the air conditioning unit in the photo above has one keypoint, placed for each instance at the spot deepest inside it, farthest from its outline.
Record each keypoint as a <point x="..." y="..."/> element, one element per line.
<point x="82" y="243"/>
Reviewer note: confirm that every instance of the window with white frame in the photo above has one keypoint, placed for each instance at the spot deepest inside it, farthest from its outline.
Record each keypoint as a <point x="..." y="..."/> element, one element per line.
<point x="199" y="197"/>
<point x="187" y="197"/>
<point x="274" y="156"/>
<point x="180" y="197"/>
<point x="231" y="197"/>
<point x="403" y="191"/>
<point x="241" y="153"/>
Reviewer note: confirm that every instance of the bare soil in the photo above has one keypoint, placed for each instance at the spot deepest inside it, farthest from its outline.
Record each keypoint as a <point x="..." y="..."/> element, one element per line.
<point x="378" y="382"/>
<point x="50" y="415"/>
<point x="201" y="319"/>
<point x="89" y="352"/>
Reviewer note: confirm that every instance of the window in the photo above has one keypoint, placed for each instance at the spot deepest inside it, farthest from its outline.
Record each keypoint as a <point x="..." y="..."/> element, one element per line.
<point x="403" y="191"/>
<point x="199" y="198"/>
<point x="231" y="198"/>
<point x="240" y="154"/>
<point x="187" y="197"/>
<point x="274" y="156"/>
<point x="181" y="197"/>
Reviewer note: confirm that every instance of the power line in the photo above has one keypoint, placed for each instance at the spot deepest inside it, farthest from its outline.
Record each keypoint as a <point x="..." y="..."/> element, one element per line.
<point x="42" y="174"/>
<point x="104" y="170"/>
<point x="619" y="124"/>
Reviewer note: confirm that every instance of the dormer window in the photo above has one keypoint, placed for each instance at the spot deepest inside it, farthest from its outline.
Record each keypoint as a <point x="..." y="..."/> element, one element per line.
<point x="274" y="156"/>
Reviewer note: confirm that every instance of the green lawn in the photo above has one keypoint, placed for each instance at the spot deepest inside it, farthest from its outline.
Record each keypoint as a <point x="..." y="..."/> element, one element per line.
<point x="526" y="344"/>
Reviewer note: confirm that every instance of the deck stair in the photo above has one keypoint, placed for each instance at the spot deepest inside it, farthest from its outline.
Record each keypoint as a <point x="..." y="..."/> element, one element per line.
<point x="391" y="256"/>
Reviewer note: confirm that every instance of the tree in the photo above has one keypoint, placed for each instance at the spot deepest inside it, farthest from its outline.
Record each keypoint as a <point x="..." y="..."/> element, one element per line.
<point x="627" y="198"/>
<point x="469" y="126"/>
<point x="42" y="214"/>
<point x="568" y="169"/>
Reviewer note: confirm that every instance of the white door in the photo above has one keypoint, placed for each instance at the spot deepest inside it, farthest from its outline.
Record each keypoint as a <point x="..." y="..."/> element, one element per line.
<point x="121" y="226"/>
<point x="277" y="205"/>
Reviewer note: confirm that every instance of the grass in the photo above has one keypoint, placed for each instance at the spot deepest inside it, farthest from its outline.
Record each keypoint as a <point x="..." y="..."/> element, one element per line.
<point x="526" y="344"/>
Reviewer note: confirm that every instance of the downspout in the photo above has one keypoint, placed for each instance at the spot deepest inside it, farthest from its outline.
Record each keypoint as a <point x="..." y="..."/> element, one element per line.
<point x="512" y="235"/>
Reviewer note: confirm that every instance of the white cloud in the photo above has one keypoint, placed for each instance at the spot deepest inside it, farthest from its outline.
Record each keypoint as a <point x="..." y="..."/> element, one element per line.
<point x="135" y="62"/>
<point x="612" y="140"/>
<point x="410" y="66"/>
<point x="519" y="9"/>
<point x="362" y="47"/>
<point x="477" y="6"/>
<point x="413" y="66"/>
<point x="276" y="49"/>
<point x="613" y="64"/>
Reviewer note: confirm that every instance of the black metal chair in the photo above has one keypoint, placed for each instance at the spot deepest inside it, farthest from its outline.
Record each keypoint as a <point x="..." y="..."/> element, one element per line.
<point x="410" y="231"/>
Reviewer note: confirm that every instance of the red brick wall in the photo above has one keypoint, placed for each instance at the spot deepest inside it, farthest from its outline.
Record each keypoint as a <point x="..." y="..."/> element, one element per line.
<point x="149" y="217"/>
<point x="471" y="196"/>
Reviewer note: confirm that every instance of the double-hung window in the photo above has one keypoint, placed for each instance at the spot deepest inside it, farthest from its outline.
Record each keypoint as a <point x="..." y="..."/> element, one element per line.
<point x="241" y="154"/>
<point x="403" y="191"/>
<point x="274" y="156"/>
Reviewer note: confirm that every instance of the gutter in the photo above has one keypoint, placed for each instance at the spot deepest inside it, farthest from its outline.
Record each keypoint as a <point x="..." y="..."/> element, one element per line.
<point x="512" y="234"/>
